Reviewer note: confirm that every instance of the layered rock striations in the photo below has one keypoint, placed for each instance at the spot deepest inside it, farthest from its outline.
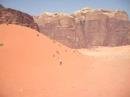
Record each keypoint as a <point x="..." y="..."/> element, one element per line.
<point x="11" y="16"/>
<point x="86" y="28"/>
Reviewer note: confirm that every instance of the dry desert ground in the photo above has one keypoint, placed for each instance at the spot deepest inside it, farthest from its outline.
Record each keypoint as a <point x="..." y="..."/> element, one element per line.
<point x="32" y="65"/>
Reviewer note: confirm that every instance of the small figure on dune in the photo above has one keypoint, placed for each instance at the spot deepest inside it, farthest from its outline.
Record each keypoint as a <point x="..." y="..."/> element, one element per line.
<point x="58" y="52"/>
<point x="37" y="35"/>
<point x="60" y="62"/>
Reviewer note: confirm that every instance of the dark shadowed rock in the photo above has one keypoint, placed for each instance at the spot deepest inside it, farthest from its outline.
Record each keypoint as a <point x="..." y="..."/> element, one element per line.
<point x="1" y="6"/>
<point x="86" y="28"/>
<point x="11" y="16"/>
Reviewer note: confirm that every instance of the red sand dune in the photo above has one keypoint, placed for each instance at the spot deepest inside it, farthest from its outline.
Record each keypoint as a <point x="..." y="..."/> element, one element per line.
<point x="31" y="65"/>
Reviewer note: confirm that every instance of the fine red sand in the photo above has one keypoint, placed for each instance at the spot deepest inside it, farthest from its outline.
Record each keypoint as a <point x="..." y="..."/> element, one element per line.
<point x="31" y="65"/>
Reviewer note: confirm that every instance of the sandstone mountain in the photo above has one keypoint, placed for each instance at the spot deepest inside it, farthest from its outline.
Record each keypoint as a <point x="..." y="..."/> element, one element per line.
<point x="86" y="28"/>
<point x="11" y="16"/>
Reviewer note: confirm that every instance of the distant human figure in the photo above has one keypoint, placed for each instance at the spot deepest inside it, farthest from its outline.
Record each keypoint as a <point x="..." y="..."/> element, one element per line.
<point x="37" y="35"/>
<point x="61" y="62"/>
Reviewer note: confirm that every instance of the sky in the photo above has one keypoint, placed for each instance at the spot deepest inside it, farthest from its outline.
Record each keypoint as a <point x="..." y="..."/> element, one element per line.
<point x="36" y="7"/>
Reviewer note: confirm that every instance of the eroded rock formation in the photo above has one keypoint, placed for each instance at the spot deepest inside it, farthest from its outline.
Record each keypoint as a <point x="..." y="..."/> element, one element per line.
<point x="86" y="28"/>
<point x="11" y="16"/>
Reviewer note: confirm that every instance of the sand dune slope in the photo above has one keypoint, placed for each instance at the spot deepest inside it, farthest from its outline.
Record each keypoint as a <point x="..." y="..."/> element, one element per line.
<point x="31" y="65"/>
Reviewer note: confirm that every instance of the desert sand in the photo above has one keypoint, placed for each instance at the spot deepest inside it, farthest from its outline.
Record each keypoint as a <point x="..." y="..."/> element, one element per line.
<point x="32" y="65"/>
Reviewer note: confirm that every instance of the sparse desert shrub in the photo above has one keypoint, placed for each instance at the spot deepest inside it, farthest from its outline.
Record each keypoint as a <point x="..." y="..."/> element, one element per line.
<point x="65" y="50"/>
<point x="53" y="55"/>
<point x="58" y="52"/>
<point x="1" y="44"/>
<point x="54" y="41"/>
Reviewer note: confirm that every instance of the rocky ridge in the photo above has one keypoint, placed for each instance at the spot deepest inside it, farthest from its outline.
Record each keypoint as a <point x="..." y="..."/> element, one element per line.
<point x="87" y="27"/>
<point x="12" y="16"/>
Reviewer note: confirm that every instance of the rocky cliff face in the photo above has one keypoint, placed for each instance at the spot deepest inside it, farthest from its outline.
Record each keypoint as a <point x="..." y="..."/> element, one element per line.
<point x="86" y="28"/>
<point x="11" y="16"/>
